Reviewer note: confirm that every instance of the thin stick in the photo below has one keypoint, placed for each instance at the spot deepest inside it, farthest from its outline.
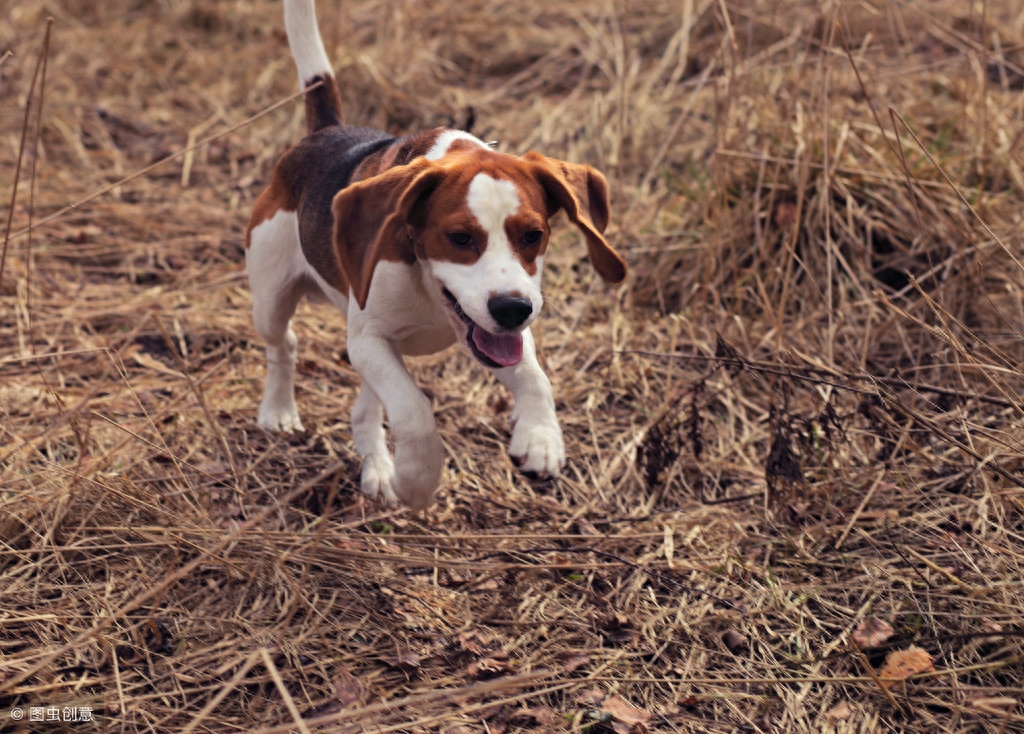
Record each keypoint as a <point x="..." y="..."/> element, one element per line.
<point x="223" y="692"/>
<point x="860" y="508"/>
<point x="955" y="189"/>
<point x="33" y="166"/>
<point x="40" y="64"/>
<point x="289" y="702"/>
<point x="895" y="148"/>
<point x="153" y="166"/>
<point x="874" y="676"/>
<point x="420" y="699"/>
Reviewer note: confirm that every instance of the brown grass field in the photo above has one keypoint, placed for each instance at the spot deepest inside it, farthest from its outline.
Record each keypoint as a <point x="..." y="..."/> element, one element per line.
<point x="795" y="494"/>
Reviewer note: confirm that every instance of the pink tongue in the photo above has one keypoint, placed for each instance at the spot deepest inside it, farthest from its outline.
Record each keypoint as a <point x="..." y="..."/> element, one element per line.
<point x="505" y="349"/>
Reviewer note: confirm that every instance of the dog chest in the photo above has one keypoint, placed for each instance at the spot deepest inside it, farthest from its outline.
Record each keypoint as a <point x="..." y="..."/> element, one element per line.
<point x="405" y="309"/>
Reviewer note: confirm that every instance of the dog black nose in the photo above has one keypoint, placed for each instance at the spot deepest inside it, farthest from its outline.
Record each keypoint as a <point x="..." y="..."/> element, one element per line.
<point x="510" y="311"/>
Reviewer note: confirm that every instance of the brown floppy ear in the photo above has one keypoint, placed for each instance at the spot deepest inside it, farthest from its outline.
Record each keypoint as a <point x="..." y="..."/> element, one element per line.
<point x="371" y="218"/>
<point x="582" y="192"/>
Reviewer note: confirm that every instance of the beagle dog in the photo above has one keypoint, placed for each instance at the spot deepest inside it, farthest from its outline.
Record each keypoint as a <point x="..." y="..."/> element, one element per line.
<point x="422" y="241"/>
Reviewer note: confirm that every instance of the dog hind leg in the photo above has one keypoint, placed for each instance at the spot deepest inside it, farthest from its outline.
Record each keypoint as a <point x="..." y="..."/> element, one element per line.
<point x="277" y="287"/>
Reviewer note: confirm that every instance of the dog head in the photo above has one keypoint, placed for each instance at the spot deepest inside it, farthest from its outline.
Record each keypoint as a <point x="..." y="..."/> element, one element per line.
<point x="477" y="222"/>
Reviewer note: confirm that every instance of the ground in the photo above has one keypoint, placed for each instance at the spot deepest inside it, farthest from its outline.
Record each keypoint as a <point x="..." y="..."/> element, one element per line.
<point x="794" y="496"/>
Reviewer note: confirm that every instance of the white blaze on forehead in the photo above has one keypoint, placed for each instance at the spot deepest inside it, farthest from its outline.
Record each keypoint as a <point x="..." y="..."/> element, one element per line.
<point x="444" y="142"/>
<point x="492" y="200"/>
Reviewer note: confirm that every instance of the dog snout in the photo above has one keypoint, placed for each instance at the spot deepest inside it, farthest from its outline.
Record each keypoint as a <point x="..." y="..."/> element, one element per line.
<point x="510" y="311"/>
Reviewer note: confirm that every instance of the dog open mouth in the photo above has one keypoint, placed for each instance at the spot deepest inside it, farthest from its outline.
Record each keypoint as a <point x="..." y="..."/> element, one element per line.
<point x="491" y="350"/>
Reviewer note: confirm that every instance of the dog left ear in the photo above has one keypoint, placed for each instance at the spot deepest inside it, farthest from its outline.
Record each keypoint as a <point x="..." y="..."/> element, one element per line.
<point x="582" y="192"/>
<point x="371" y="218"/>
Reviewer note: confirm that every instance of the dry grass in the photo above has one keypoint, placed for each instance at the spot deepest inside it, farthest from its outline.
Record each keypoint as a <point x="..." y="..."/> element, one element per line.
<point x="801" y="417"/>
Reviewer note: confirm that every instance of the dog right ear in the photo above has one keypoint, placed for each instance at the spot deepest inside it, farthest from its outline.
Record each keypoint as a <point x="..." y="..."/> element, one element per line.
<point x="582" y="192"/>
<point x="371" y="218"/>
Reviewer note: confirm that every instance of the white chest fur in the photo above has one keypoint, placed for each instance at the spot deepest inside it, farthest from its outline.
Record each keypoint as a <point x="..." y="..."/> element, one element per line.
<point x="402" y="308"/>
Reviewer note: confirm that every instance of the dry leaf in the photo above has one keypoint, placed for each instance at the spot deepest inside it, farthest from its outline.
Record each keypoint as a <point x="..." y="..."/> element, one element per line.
<point x="990" y="625"/>
<point x="157" y="637"/>
<point x="591" y="697"/>
<point x="472" y="641"/>
<point x="349" y="544"/>
<point x="403" y="659"/>
<point x="573" y="661"/>
<point x="785" y="214"/>
<point x="145" y="360"/>
<point x="872" y="632"/>
<point x="622" y="710"/>
<point x="537" y="715"/>
<point x="735" y="641"/>
<point x="626" y="718"/>
<point x="617" y="628"/>
<point x="901" y="664"/>
<point x="348" y="689"/>
<point x="585" y="527"/>
<point x="490" y="667"/>
<point x="840" y="712"/>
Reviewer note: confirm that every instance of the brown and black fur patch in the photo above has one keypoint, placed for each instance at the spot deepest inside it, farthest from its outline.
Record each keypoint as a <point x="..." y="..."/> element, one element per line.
<point x="323" y="103"/>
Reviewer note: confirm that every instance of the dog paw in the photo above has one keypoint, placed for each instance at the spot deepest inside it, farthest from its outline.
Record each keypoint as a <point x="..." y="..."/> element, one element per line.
<point x="418" y="461"/>
<point x="377" y="479"/>
<point x="538" y="450"/>
<point x="280" y="418"/>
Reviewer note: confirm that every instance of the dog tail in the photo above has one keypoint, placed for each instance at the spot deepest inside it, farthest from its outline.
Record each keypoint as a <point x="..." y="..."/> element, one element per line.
<point x="323" y="104"/>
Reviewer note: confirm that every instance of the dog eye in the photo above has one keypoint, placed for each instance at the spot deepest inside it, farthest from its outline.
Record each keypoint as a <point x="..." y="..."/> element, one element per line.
<point x="461" y="239"/>
<point x="532" y="237"/>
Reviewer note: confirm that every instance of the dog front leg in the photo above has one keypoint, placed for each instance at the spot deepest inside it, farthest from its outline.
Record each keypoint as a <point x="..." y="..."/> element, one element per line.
<point x="416" y="470"/>
<point x="378" y="473"/>
<point x="537" y="446"/>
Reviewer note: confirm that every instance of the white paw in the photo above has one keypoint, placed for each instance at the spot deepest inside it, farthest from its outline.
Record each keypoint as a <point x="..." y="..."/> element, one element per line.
<point x="418" y="463"/>
<point x="377" y="479"/>
<point x="284" y="418"/>
<point x="538" y="449"/>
